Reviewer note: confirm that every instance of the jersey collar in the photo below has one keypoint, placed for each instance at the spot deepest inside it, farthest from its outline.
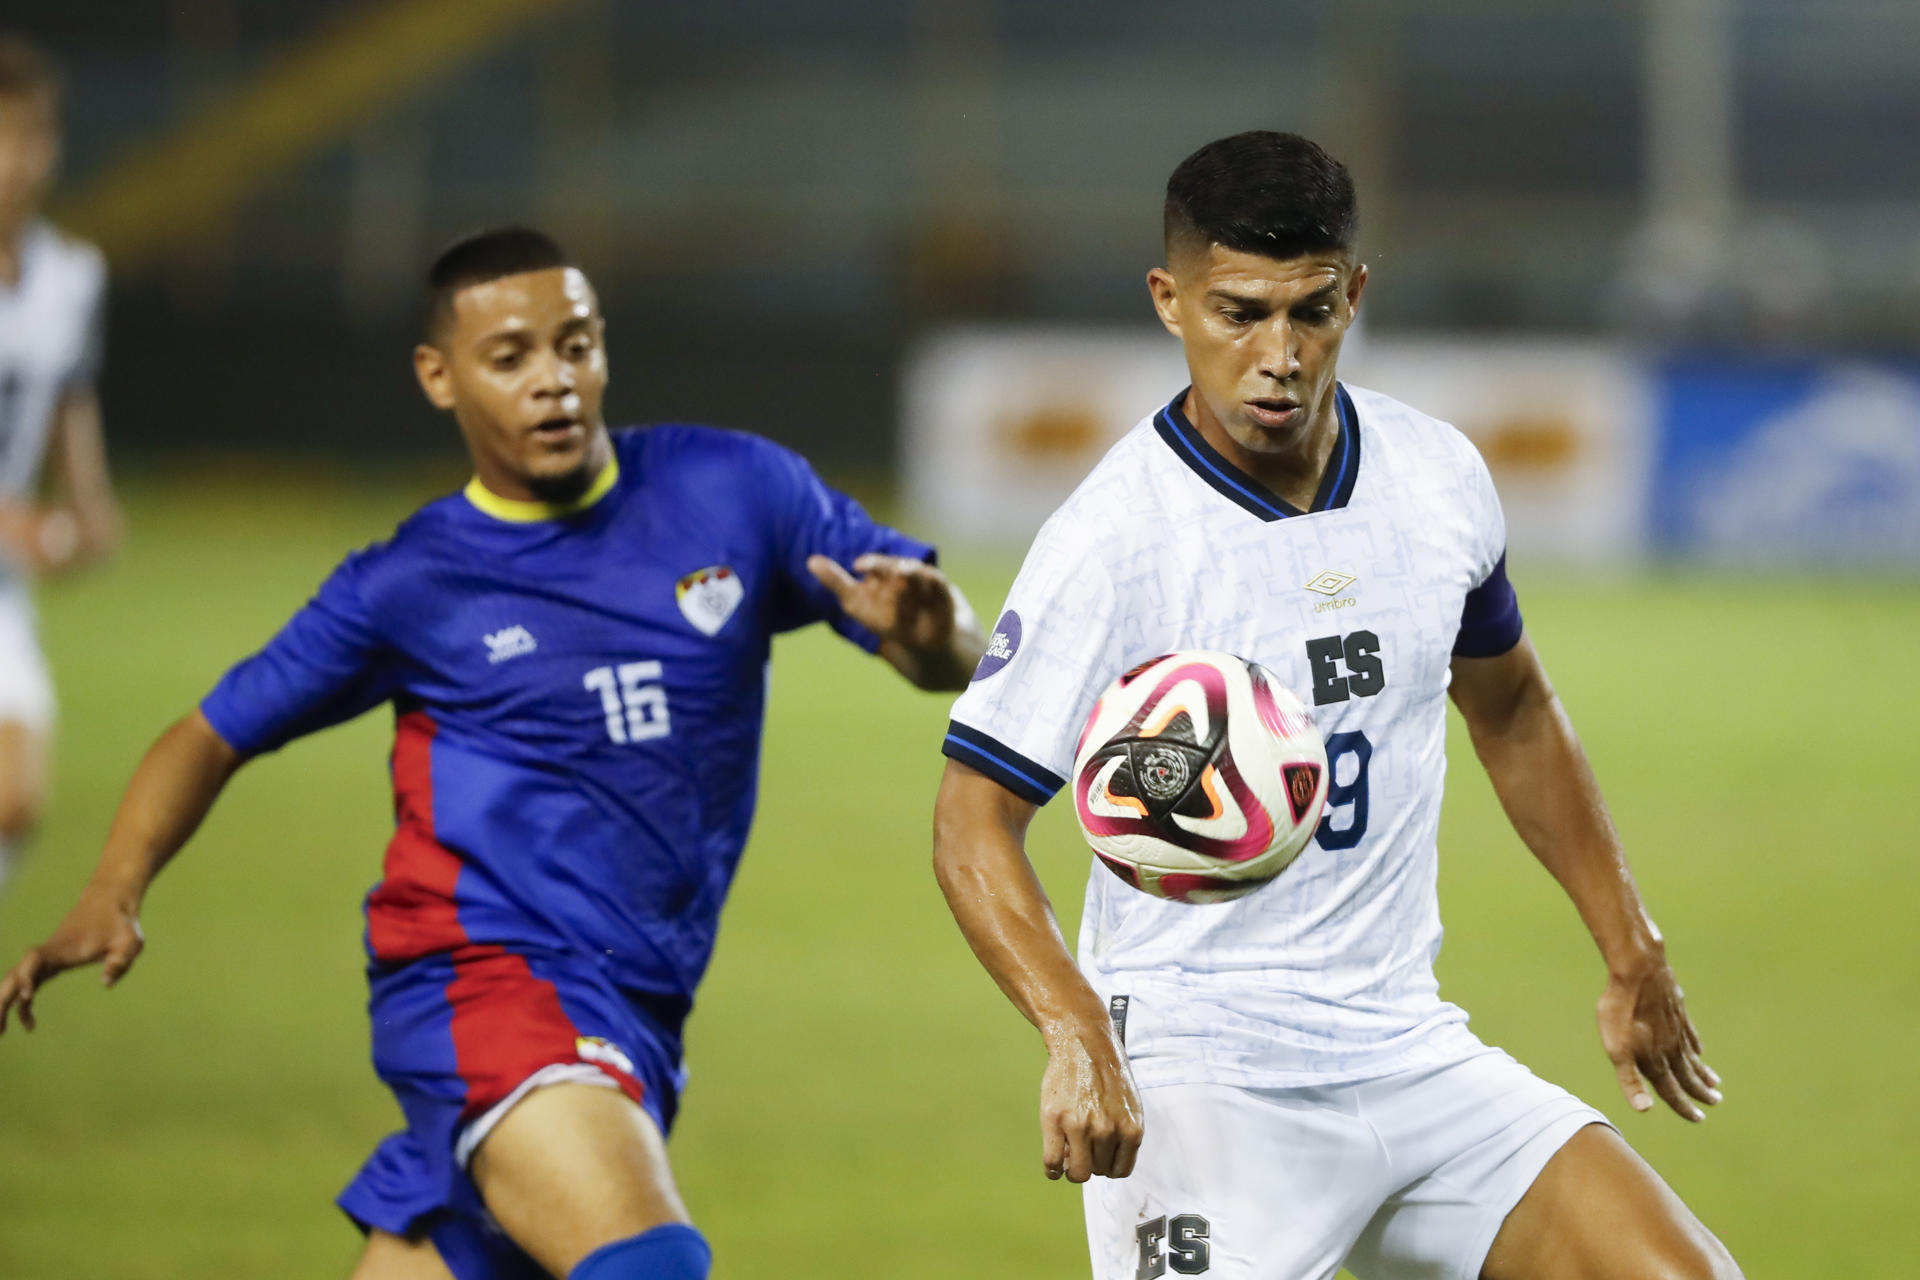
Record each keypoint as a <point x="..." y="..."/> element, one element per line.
<point x="1336" y="485"/>
<point x="518" y="511"/>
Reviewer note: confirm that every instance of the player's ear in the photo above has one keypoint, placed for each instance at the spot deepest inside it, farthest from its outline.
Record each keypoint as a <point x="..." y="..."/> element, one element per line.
<point x="1355" y="283"/>
<point x="436" y="379"/>
<point x="1166" y="296"/>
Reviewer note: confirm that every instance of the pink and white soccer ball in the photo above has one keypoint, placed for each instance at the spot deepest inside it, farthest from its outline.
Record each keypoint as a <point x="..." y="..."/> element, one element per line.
<point x="1199" y="777"/>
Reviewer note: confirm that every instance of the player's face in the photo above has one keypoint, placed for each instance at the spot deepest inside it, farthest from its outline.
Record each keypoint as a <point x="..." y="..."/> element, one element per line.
<point x="1262" y="336"/>
<point x="29" y="150"/>
<point x="523" y="368"/>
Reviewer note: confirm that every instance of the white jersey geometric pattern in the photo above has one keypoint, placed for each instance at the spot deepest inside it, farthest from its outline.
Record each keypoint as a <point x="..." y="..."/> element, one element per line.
<point x="1357" y="604"/>
<point x="50" y="331"/>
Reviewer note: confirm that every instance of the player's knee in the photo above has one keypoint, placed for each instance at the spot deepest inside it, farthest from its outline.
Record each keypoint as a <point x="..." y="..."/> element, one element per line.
<point x="674" y="1251"/>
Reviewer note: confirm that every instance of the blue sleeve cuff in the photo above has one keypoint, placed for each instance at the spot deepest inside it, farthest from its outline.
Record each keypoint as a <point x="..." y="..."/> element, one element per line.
<point x="1028" y="779"/>
<point x="1490" y="621"/>
<point x="220" y="717"/>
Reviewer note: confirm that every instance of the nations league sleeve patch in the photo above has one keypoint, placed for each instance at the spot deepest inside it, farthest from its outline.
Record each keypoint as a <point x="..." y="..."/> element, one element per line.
<point x="1001" y="648"/>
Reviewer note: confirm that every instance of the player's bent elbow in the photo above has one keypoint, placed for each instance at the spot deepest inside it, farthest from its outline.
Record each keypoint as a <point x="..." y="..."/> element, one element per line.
<point x="1702" y="1257"/>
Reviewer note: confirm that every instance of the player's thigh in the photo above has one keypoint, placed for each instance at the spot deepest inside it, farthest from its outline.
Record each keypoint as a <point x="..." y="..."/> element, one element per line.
<point x="1237" y="1184"/>
<point x="391" y="1257"/>
<point x="1599" y="1212"/>
<point x="573" y="1167"/>
<point x="23" y="776"/>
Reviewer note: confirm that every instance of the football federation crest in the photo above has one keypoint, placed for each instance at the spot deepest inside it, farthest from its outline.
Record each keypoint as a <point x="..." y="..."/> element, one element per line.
<point x="709" y="596"/>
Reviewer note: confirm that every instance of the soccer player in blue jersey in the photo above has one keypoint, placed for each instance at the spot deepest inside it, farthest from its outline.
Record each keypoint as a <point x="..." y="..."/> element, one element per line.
<point x="574" y="648"/>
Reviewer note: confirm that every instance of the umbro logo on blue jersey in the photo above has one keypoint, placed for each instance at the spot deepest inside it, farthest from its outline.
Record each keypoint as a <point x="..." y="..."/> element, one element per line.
<point x="509" y="642"/>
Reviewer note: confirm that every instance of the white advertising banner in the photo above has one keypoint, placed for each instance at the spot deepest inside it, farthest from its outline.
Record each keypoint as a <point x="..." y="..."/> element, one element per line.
<point x="1565" y="427"/>
<point x="1001" y="423"/>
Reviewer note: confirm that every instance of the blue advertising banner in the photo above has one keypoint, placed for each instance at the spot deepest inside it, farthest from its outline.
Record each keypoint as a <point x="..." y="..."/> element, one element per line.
<point x="1814" y="462"/>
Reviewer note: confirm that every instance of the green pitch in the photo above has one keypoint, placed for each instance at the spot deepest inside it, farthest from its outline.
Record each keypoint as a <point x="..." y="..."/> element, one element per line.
<point x="863" y="1102"/>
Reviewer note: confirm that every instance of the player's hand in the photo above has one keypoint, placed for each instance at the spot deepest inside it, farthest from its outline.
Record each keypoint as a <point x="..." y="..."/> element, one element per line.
<point x="1090" y="1121"/>
<point x="99" y="930"/>
<point x="17" y="527"/>
<point x="906" y="601"/>
<point x="1647" y="1034"/>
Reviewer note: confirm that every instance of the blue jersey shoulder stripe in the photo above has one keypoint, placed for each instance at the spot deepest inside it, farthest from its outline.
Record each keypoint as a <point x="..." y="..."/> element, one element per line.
<point x="1490" y="622"/>
<point x="1026" y="778"/>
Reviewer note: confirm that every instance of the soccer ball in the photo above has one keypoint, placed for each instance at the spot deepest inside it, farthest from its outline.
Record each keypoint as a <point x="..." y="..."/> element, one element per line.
<point x="1199" y="777"/>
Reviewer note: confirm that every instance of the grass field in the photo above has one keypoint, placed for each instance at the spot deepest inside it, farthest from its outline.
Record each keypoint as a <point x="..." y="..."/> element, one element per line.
<point x="863" y="1101"/>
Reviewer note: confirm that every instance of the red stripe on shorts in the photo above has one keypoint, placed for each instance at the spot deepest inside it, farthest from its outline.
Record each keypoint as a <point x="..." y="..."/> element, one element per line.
<point x="508" y="1024"/>
<point x="411" y="912"/>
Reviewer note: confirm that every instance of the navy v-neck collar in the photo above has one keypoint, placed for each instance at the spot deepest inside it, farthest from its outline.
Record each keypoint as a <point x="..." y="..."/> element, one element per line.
<point x="1336" y="486"/>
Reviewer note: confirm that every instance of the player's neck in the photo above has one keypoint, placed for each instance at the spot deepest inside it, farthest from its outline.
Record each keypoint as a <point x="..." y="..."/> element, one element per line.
<point x="1293" y="475"/>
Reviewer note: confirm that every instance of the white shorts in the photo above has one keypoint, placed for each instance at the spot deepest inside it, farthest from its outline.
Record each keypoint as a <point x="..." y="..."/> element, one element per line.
<point x="26" y="690"/>
<point x="1404" y="1177"/>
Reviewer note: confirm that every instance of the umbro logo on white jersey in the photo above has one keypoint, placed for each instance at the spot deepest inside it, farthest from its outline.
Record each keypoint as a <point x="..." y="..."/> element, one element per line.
<point x="509" y="642"/>
<point x="1329" y="583"/>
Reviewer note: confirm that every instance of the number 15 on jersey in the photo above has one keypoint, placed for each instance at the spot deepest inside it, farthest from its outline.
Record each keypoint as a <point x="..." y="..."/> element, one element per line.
<point x="634" y="701"/>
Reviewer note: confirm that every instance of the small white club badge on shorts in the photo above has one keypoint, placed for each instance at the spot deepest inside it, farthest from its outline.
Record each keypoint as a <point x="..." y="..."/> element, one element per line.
<point x="709" y="596"/>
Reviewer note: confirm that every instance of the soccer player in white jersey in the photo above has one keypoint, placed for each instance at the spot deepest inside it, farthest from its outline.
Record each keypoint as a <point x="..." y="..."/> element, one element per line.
<point x="51" y="294"/>
<point x="1273" y="1087"/>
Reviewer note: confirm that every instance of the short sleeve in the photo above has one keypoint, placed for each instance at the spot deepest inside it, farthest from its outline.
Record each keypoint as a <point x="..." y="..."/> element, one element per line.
<point x="1054" y="648"/>
<point x="809" y="518"/>
<point x="1490" y="622"/>
<point x="85" y="371"/>
<point x="326" y="666"/>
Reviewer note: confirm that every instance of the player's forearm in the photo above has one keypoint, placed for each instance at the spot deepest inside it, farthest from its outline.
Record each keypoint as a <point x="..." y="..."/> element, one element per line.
<point x="171" y="792"/>
<point x="1001" y="909"/>
<point x="89" y="517"/>
<point x="45" y="541"/>
<point x="1546" y="785"/>
<point x="948" y="663"/>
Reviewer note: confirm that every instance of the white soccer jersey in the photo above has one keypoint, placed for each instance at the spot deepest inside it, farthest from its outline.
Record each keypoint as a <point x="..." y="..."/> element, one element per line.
<point x="50" y="325"/>
<point x="1358" y="605"/>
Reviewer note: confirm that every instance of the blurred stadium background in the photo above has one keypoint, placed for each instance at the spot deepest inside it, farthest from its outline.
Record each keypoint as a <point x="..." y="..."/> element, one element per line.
<point x="1661" y="260"/>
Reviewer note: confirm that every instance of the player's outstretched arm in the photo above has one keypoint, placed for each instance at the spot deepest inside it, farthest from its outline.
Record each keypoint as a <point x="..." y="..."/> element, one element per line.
<point x="927" y="630"/>
<point x="1540" y="772"/>
<point x="1090" y="1120"/>
<point x="170" y="794"/>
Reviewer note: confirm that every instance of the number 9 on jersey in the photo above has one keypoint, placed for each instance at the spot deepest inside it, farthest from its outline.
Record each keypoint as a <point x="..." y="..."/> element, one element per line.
<point x="1199" y="777"/>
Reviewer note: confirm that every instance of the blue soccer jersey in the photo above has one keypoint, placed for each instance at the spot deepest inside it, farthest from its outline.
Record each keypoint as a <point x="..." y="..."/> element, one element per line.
<point x="578" y="695"/>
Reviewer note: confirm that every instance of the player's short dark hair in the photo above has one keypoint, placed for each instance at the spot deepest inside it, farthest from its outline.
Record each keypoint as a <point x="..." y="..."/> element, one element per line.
<point x="481" y="257"/>
<point x="26" y="69"/>
<point x="1274" y="194"/>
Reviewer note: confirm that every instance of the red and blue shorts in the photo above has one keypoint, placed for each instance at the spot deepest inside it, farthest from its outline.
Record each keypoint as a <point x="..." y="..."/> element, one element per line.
<point x="460" y="1037"/>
